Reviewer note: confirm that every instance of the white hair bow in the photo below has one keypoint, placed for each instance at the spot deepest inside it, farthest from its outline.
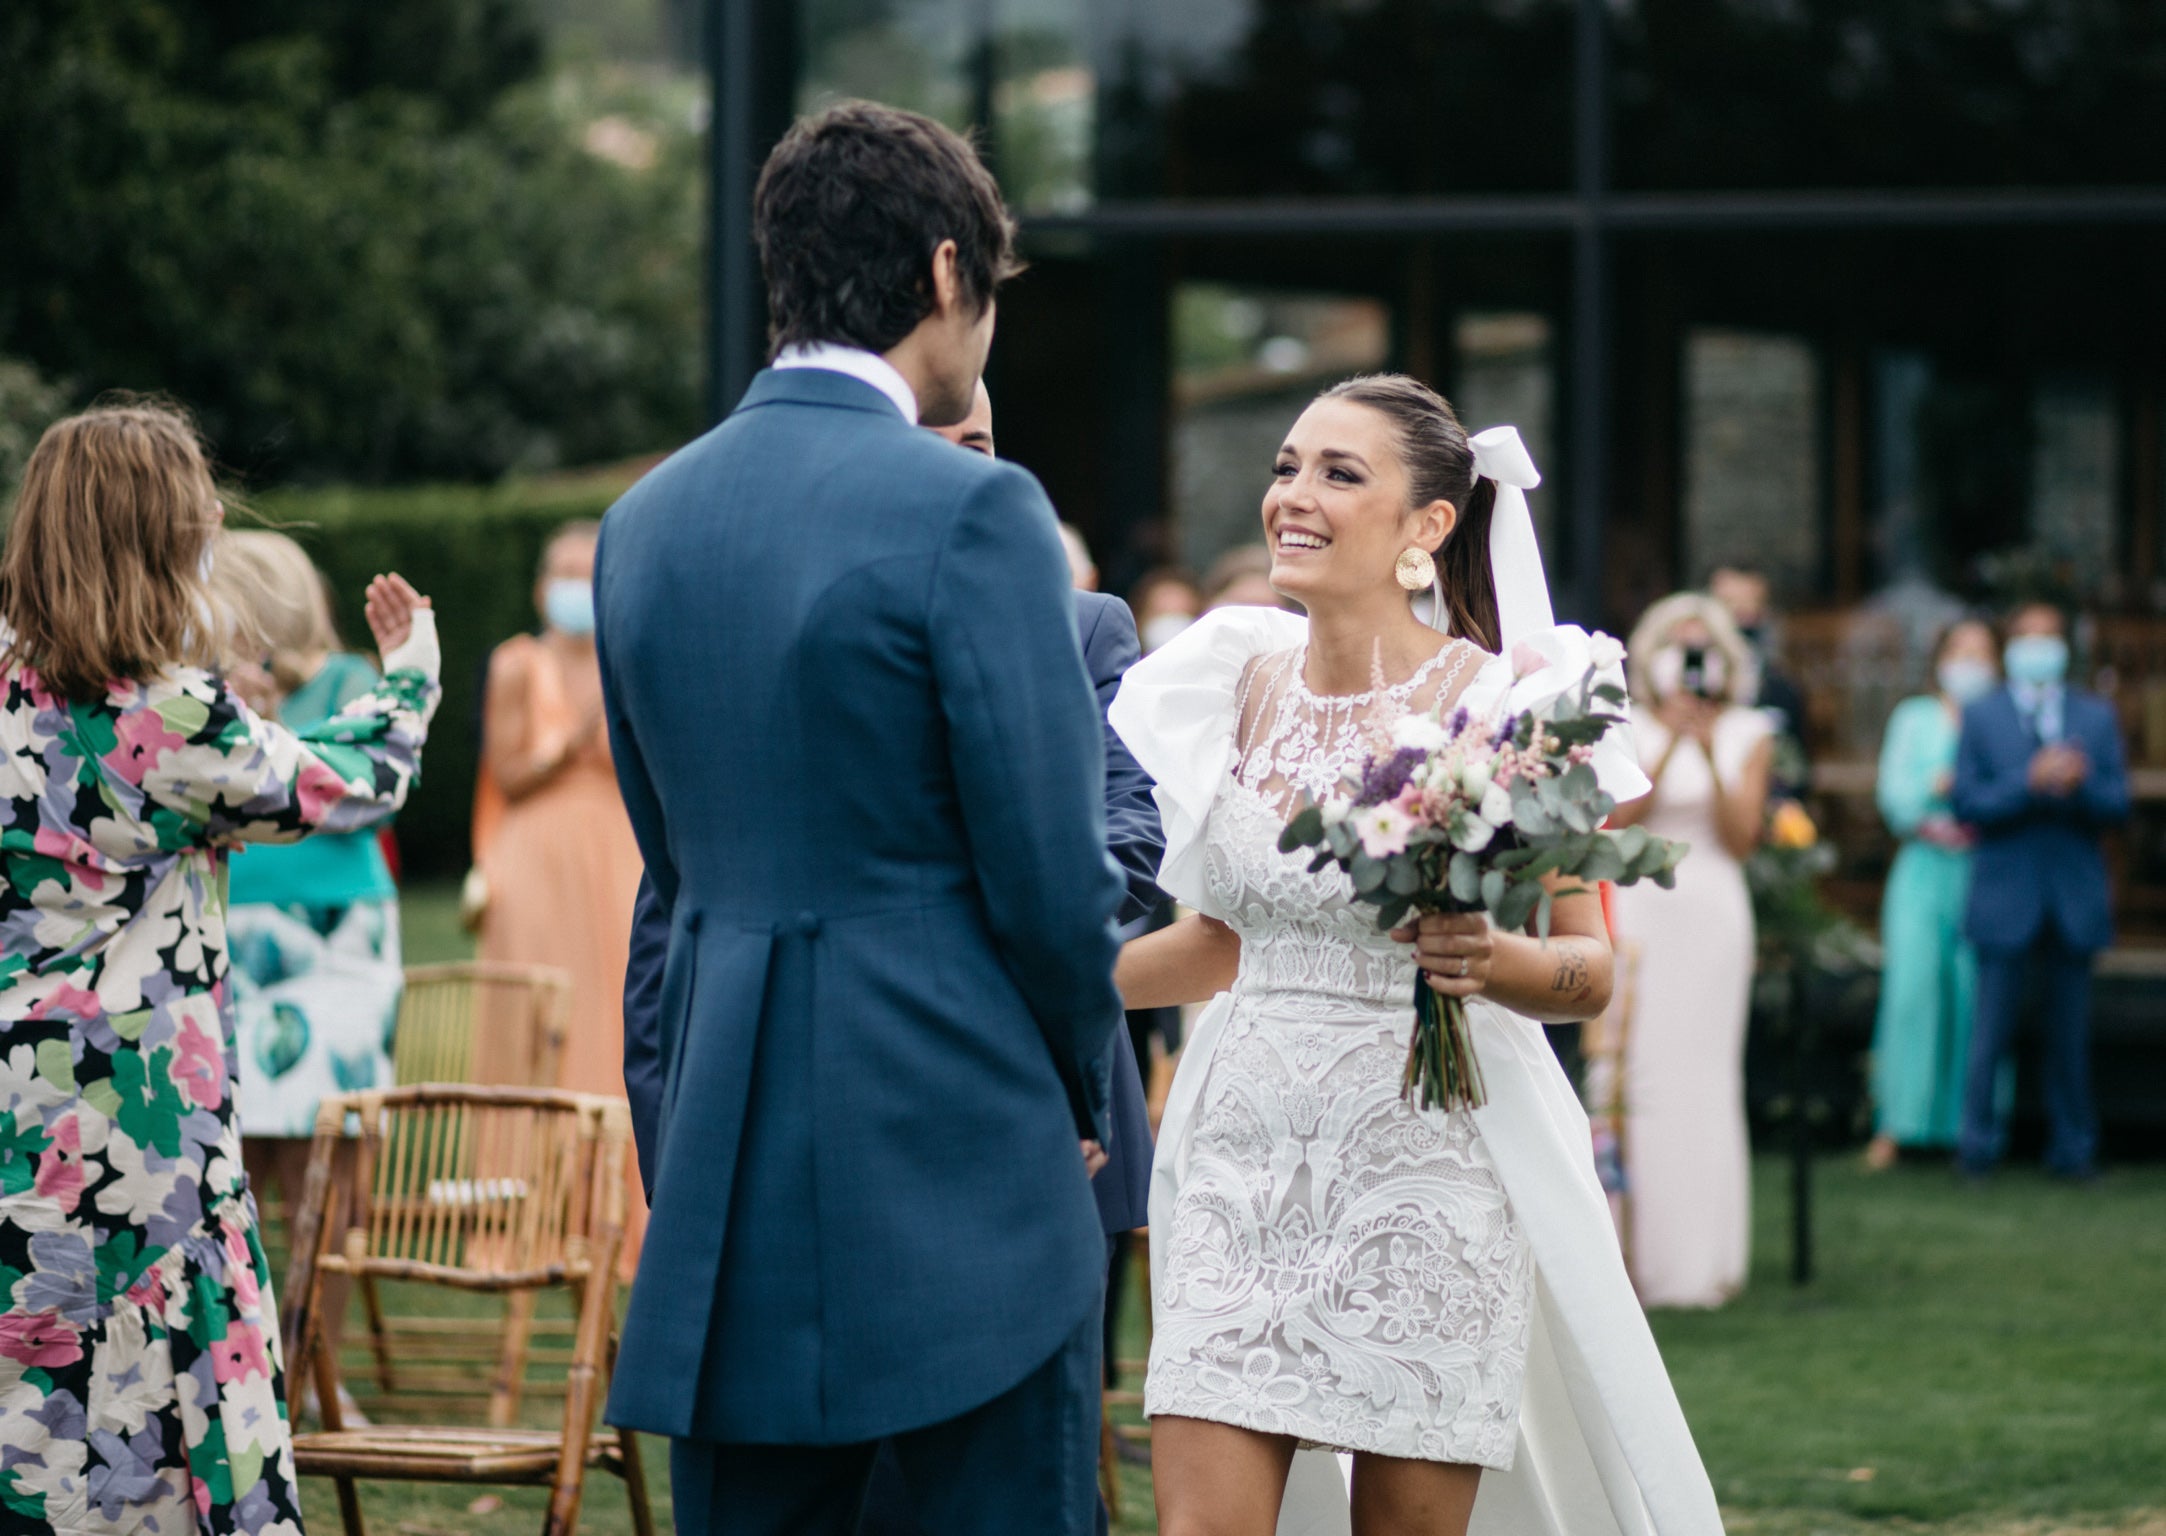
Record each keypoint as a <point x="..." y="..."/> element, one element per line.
<point x="1515" y="557"/>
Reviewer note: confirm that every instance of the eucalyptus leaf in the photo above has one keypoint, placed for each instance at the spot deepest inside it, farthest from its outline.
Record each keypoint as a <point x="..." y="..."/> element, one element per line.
<point x="1394" y="913"/>
<point x="1493" y="888"/>
<point x="1517" y="906"/>
<point x="1466" y="878"/>
<point x="1368" y="873"/>
<point x="1403" y="877"/>
<point x="1304" y="831"/>
<point x="1544" y="911"/>
<point x="1632" y="842"/>
<point x="1604" y="861"/>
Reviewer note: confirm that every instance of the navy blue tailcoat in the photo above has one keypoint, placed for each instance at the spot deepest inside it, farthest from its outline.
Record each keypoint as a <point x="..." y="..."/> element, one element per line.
<point x="1108" y="633"/>
<point x="2038" y="860"/>
<point x="866" y="771"/>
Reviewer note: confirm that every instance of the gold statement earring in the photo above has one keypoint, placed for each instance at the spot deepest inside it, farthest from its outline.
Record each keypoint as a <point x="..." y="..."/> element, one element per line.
<point x="1415" y="569"/>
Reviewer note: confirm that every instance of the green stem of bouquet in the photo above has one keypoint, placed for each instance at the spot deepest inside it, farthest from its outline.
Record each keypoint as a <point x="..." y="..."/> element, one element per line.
<point x="1440" y="1060"/>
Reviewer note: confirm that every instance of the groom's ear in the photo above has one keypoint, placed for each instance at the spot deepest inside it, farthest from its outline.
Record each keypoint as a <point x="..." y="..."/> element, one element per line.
<point x="947" y="278"/>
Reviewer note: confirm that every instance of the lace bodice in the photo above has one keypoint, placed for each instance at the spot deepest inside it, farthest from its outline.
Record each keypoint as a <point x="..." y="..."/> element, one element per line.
<point x="1304" y="940"/>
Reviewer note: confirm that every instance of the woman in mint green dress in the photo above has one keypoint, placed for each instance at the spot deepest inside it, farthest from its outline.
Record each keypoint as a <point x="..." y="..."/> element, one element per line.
<point x="1921" y="1040"/>
<point x="313" y="925"/>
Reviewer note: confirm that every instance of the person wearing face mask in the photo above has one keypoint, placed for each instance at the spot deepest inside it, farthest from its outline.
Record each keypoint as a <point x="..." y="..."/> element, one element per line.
<point x="1921" y="1041"/>
<point x="2040" y="772"/>
<point x="559" y="860"/>
<point x="1166" y="602"/>
<point x="1710" y="755"/>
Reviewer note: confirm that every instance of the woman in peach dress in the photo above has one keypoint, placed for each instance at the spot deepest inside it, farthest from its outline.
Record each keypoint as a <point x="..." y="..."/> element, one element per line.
<point x="561" y="866"/>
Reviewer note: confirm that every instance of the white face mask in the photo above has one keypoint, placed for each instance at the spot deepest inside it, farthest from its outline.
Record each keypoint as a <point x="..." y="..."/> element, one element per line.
<point x="1964" y="678"/>
<point x="1163" y="627"/>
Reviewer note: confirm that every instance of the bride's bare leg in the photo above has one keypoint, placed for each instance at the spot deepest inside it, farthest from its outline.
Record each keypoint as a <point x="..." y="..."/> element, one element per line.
<point x="1412" y="1498"/>
<point x="1216" y="1480"/>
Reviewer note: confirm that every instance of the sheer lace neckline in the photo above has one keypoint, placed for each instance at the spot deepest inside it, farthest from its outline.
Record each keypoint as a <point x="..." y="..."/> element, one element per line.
<point x="1292" y="743"/>
<point x="1400" y="690"/>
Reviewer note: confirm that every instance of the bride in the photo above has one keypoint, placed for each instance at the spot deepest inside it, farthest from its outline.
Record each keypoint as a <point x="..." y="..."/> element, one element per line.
<point x="1438" y="1293"/>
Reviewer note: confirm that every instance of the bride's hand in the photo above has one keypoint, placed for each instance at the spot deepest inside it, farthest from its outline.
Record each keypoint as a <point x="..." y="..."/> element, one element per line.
<point x="1456" y="950"/>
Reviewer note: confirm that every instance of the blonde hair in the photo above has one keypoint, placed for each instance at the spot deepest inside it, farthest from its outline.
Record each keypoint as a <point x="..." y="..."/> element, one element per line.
<point x="277" y="593"/>
<point x="102" y="578"/>
<point x="1742" y="682"/>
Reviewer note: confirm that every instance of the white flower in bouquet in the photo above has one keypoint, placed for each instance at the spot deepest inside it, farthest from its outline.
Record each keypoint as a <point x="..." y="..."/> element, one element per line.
<point x="1418" y="732"/>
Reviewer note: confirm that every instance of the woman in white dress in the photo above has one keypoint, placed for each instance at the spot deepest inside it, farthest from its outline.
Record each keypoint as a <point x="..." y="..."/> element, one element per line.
<point x="1437" y="1293"/>
<point x="1687" y="1166"/>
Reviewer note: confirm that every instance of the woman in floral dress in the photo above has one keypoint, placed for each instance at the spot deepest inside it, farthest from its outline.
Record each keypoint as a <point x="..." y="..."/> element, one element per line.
<point x="140" y="1378"/>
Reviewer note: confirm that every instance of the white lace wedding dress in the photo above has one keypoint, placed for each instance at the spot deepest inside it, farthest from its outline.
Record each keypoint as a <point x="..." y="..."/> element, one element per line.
<point x="1330" y="1263"/>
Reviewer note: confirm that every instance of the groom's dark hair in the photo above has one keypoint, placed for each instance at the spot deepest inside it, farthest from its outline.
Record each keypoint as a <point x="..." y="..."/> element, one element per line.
<point x="850" y="208"/>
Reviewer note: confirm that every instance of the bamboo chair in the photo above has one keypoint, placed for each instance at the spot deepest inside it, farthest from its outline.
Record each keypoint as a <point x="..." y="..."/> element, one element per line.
<point x="473" y="1022"/>
<point x="482" y="1022"/>
<point x="490" y="1190"/>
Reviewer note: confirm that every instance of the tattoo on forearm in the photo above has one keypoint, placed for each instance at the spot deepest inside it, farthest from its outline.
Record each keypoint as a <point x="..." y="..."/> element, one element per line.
<point x="1572" y="976"/>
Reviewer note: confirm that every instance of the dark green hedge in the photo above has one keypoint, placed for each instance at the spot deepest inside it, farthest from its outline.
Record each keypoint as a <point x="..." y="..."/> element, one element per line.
<point x="474" y="550"/>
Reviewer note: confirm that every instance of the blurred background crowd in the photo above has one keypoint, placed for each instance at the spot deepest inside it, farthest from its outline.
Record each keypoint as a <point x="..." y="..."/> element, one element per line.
<point x="1834" y="326"/>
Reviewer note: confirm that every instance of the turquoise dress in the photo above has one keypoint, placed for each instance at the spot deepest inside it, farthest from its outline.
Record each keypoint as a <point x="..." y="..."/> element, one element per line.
<point x="1921" y="1040"/>
<point x="314" y="930"/>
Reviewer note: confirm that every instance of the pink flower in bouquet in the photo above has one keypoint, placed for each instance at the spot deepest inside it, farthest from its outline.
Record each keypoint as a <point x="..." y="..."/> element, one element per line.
<point x="1527" y="659"/>
<point x="1383" y="829"/>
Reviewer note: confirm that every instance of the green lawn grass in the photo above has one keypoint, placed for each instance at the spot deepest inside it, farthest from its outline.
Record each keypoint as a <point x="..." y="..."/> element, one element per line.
<point x="1987" y="1361"/>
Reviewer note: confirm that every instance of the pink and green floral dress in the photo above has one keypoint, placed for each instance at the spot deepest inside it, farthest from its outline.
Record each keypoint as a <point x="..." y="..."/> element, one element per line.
<point x="141" y="1384"/>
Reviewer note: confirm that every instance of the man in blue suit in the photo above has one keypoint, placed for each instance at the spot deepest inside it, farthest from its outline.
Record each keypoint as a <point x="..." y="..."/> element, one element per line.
<point x="2040" y="773"/>
<point x="865" y="767"/>
<point x="1121" y="1184"/>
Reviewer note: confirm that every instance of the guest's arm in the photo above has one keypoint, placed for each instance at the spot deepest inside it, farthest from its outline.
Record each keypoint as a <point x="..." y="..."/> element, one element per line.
<point x="1133" y="834"/>
<point x="1903" y="788"/>
<point x="2102" y="794"/>
<point x="643" y="1024"/>
<point x="1987" y="793"/>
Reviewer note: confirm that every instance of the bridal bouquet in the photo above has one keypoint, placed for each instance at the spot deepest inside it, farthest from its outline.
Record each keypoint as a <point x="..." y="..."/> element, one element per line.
<point x="1456" y="813"/>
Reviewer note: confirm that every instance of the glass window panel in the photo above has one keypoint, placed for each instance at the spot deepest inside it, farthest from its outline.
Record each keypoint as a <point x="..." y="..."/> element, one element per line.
<point x="1246" y="362"/>
<point x="2075" y="476"/>
<point x="1847" y="93"/>
<point x="1257" y="98"/>
<point x="1752" y="457"/>
<point x="1045" y="104"/>
<point x="1506" y="379"/>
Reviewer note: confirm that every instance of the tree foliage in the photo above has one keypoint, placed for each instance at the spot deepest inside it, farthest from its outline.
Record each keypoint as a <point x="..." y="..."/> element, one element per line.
<point x="364" y="239"/>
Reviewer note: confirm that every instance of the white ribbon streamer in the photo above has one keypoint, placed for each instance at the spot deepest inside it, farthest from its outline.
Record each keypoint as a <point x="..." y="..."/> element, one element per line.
<point x="1515" y="556"/>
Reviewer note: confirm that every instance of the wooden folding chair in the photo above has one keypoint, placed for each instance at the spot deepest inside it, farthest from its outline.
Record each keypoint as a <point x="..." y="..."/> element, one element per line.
<point x="486" y="1190"/>
<point x="482" y="1022"/>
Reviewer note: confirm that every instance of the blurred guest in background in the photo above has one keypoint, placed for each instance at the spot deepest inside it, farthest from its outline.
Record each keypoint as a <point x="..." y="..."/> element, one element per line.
<point x="1082" y="569"/>
<point x="1746" y="595"/>
<point x="314" y="925"/>
<point x="561" y="865"/>
<point x="140" y="1363"/>
<point x="1166" y="601"/>
<point x="2039" y="771"/>
<point x="1921" y="1043"/>
<point x="1241" y="578"/>
<point x="1708" y="752"/>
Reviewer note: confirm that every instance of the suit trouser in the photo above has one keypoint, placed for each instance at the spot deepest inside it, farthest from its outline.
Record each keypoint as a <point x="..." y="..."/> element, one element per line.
<point x="1025" y="1462"/>
<point x="2065" y="1078"/>
<point x="888" y="1504"/>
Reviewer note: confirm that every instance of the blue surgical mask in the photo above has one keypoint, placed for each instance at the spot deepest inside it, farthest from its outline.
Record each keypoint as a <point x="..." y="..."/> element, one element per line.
<point x="2038" y="660"/>
<point x="568" y="604"/>
<point x="1964" y="678"/>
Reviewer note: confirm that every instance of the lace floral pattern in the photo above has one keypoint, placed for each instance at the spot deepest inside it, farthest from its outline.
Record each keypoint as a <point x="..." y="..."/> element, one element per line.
<point x="1339" y="1267"/>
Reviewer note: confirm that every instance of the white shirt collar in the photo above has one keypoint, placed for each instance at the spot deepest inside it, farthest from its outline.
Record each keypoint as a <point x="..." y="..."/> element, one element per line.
<point x="869" y="367"/>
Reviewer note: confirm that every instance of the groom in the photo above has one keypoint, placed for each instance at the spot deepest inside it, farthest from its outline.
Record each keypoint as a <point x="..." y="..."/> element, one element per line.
<point x="864" y="764"/>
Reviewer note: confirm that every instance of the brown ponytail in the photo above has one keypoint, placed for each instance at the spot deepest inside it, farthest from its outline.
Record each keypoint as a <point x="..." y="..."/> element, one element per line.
<point x="1440" y="467"/>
